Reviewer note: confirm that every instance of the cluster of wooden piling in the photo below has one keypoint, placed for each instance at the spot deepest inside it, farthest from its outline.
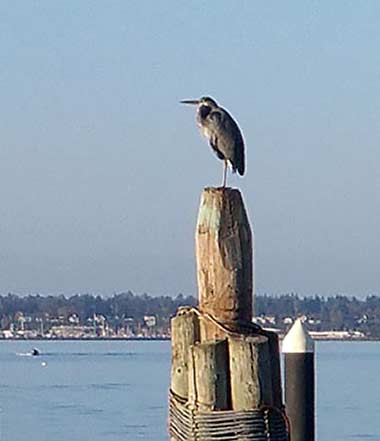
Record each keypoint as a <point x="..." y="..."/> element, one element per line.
<point x="220" y="360"/>
<point x="236" y="371"/>
<point x="225" y="378"/>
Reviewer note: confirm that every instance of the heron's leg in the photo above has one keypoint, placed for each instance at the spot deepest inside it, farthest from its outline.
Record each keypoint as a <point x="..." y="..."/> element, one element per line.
<point x="225" y="173"/>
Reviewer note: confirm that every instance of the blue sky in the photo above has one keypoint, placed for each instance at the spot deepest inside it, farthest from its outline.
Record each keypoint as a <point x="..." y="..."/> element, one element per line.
<point x="101" y="169"/>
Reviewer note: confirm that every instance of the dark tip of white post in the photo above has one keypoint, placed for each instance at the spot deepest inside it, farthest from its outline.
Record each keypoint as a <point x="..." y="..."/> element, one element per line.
<point x="297" y="340"/>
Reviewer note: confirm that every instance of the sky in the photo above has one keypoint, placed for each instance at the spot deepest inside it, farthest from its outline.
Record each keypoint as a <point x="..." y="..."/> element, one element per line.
<point x="101" y="168"/>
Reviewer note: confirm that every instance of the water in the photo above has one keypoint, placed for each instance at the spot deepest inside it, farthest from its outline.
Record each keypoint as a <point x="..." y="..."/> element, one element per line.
<point x="348" y="391"/>
<point x="117" y="390"/>
<point x="87" y="391"/>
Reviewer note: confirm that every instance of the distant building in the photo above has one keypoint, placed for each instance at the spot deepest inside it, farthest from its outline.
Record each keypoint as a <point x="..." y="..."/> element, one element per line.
<point x="337" y="335"/>
<point x="70" y="331"/>
<point x="6" y="333"/>
<point x="264" y="320"/>
<point x="73" y="319"/>
<point x="150" y="320"/>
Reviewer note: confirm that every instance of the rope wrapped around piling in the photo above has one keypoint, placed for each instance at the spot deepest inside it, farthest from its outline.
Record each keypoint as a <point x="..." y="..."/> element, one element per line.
<point x="187" y="424"/>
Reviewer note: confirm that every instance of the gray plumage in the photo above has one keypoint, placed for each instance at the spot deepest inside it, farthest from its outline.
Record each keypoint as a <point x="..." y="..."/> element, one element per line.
<point x="222" y="132"/>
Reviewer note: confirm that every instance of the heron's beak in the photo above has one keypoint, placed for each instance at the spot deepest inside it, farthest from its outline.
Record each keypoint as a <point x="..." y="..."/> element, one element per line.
<point x="194" y="102"/>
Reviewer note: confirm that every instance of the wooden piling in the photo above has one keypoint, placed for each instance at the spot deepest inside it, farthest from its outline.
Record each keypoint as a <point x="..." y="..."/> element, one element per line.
<point x="209" y="376"/>
<point x="274" y="357"/>
<point x="224" y="256"/>
<point x="184" y="333"/>
<point x="251" y="377"/>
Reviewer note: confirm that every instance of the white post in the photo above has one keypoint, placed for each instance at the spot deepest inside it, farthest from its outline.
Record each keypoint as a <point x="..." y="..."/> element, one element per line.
<point x="298" y="349"/>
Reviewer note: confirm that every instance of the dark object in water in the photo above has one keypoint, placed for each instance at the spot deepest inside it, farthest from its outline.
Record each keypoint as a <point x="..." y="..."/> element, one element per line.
<point x="35" y="352"/>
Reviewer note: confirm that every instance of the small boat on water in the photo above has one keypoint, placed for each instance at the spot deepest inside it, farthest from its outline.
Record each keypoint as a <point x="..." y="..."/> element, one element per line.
<point x="35" y="352"/>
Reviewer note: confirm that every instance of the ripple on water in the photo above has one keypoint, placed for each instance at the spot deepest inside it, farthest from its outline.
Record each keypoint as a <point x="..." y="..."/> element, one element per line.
<point x="75" y="408"/>
<point x="362" y="436"/>
<point x="108" y="386"/>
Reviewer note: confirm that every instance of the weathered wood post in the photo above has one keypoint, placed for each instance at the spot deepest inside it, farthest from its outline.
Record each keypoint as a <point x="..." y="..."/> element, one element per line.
<point x="224" y="256"/>
<point x="226" y="381"/>
<point x="185" y="333"/>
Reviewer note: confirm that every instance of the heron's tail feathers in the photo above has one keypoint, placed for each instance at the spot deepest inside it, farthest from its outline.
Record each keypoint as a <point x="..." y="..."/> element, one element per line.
<point x="240" y="166"/>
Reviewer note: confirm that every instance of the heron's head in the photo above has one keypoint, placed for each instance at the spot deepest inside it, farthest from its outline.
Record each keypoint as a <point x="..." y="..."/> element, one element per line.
<point x="205" y="101"/>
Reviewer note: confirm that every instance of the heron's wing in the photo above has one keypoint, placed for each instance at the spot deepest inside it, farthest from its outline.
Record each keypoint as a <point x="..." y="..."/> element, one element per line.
<point x="226" y="139"/>
<point x="214" y="144"/>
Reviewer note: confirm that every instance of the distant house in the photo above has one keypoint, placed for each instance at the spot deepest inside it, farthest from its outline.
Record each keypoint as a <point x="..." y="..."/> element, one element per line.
<point x="150" y="320"/>
<point x="6" y="333"/>
<point x="70" y="331"/>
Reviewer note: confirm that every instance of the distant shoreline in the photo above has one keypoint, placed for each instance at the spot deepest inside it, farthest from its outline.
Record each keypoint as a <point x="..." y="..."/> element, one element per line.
<point x="366" y="339"/>
<point x="87" y="339"/>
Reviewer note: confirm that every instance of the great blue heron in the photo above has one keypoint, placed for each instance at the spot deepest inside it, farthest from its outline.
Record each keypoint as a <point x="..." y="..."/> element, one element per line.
<point x="222" y="132"/>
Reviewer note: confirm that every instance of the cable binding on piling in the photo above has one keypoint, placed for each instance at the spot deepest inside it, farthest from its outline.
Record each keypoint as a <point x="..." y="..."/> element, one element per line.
<point x="187" y="423"/>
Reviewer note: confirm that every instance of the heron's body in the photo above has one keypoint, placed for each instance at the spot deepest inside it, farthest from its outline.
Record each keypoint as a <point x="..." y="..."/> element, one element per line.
<point x="222" y="132"/>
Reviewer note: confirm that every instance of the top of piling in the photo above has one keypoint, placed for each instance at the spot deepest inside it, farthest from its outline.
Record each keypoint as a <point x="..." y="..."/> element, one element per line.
<point x="297" y="340"/>
<point x="224" y="255"/>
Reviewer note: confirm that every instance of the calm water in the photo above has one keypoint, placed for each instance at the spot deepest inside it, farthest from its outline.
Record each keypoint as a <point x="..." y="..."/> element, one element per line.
<point x="118" y="391"/>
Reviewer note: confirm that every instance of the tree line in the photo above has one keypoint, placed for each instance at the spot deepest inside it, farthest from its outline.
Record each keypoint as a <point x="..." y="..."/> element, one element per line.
<point x="326" y="313"/>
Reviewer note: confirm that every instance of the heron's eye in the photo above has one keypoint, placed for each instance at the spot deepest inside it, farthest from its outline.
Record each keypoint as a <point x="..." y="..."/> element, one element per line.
<point x="204" y="111"/>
